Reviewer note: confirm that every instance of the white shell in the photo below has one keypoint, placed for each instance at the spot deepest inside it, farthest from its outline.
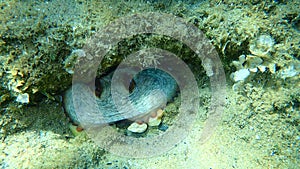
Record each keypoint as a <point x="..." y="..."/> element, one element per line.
<point x="137" y="128"/>
<point x="155" y="121"/>
<point x="23" y="98"/>
<point x="241" y="75"/>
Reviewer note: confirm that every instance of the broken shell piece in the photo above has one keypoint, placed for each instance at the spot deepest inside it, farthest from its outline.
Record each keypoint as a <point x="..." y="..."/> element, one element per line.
<point x="137" y="128"/>
<point x="272" y="68"/>
<point x="262" y="68"/>
<point x="155" y="121"/>
<point x="23" y="98"/>
<point x="253" y="70"/>
<point x="241" y="75"/>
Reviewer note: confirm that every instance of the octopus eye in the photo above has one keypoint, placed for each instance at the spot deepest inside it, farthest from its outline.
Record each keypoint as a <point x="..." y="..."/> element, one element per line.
<point x="98" y="88"/>
<point x="132" y="86"/>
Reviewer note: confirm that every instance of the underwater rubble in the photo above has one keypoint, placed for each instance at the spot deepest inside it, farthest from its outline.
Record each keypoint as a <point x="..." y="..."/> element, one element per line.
<point x="257" y="41"/>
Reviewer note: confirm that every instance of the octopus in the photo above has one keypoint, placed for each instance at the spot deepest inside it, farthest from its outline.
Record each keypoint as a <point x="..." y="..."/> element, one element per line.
<point x="136" y="99"/>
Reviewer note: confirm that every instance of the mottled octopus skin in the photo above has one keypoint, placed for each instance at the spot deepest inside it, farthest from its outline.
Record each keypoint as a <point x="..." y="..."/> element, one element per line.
<point x="153" y="88"/>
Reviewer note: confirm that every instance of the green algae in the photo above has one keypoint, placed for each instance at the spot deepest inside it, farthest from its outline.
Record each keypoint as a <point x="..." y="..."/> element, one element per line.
<point x="261" y="121"/>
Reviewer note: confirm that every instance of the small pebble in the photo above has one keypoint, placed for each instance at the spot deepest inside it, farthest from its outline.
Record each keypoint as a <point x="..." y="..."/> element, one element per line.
<point x="163" y="127"/>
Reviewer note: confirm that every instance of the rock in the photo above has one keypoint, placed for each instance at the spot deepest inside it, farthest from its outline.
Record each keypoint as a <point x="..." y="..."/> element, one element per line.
<point x="137" y="128"/>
